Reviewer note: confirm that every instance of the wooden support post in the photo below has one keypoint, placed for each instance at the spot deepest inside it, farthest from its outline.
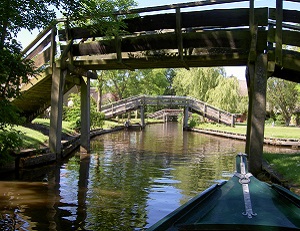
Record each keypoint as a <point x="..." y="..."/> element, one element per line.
<point x="186" y="118"/>
<point x="278" y="36"/>
<point x="142" y="110"/>
<point x="85" y="116"/>
<point x="179" y="38"/>
<point x="249" y="73"/>
<point x="83" y="181"/>
<point x="257" y="114"/>
<point x="232" y="120"/>
<point x="57" y="91"/>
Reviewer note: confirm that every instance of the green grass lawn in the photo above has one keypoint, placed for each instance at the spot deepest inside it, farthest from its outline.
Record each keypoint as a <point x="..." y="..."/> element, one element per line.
<point x="272" y="132"/>
<point x="286" y="165"/>
<point x="32" y="138"/>
<point x="66" y="126"/>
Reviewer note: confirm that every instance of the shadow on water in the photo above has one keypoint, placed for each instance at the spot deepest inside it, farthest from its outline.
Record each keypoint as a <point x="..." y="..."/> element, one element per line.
<point x="129" y="181"/>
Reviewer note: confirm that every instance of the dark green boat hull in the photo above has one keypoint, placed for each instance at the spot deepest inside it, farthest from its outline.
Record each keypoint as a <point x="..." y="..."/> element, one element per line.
<point x="222" y="207"/>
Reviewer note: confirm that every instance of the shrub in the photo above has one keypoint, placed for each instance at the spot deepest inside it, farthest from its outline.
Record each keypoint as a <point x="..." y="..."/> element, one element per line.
<point x="72" y="113"/>
<point x="10" y="140"/>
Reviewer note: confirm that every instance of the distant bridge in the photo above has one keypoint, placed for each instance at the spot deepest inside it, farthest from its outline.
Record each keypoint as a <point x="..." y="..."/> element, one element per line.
<point x="191" y="104"/>
<point x="165" y="113"/>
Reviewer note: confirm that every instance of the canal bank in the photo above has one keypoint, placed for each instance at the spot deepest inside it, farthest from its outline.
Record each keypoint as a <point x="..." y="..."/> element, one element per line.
<point x="32" y="158"/>
<point x="285" y="142"/>
<point x="268" y="174"/>
<point x="130" y="180"/>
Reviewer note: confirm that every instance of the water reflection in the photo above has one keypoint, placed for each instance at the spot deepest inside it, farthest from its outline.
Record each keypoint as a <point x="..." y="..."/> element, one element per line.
<point x="131" y="180"/>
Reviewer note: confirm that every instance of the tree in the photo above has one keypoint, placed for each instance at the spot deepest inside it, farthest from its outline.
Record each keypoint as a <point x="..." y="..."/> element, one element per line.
<point x="225" y="95"/>
<point x="282" y="96"/>
<point x="153" y="81"/>
<point x="15" y="70"/>
<point x="170" y="74"/>
<point x="124" y="83"/>
<point x="196" y="82"/>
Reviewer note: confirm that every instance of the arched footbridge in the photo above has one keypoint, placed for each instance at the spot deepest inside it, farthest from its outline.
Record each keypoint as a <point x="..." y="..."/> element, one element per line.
<point x="266" y="40"/>
<point x="187" y="103"/>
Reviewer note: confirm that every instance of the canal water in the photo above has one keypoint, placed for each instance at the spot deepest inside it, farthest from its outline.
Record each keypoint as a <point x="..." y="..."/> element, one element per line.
<point x="130" y="180"/>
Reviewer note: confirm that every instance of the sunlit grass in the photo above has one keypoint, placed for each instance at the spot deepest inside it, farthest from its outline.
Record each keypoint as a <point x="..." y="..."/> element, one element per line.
<point x="66" y="126"/>
<point x="272" y="132"/>
<point x="31" y="138"/>
<point x="285" y="164"/>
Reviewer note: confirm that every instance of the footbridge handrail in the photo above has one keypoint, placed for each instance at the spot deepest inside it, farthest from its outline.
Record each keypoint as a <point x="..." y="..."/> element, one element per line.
<point x="194" y="105"/>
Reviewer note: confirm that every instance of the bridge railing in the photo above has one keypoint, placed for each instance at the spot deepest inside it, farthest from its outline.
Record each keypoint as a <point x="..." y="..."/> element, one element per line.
<point x="170" y="101"/>
<point x="121" y="106"/>
<point x="212" y="112"/>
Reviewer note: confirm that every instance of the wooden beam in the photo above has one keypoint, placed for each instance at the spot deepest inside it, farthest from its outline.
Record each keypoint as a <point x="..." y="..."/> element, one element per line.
<point x="175" y="6"/>
<point x="65" y="54"/>
<point x="288" y="37"/>
<point x="289" y="16"/>
<point x="278" y="35"/>
<point x="40" y="47"/>
<point x="233" y="39"/>
<point x="39" y="36"/>
<point x="213" y="18"/>
<point x="81" y="71"/>
<point x="42" y="58"/>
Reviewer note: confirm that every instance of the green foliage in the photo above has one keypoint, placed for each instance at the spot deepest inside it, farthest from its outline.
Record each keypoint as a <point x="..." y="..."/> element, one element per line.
<point x="98" y="14"/>
<point x="210" y="85"/>
<point x="15" y="70"/>
<point x="196" y="82"/>
<point x="225" y="95"/>
<point x="72" y="113"/>
<point x="195" y="120"/>
<point x="10" y="140"/>
<point x="283" y="97"/>
<point x="97" y="118"/>
<point x="242" y="104"/>
<point x="124" y="83"/>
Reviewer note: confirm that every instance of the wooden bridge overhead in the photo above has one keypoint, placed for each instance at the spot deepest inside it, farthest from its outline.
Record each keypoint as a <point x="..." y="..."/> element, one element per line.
<point x="193" y="39"/>
<point x="227" y="37"/>
<point x="260" y="38"/>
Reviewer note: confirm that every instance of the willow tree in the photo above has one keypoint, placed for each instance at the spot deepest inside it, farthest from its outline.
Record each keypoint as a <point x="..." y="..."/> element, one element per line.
<point x="225" y="95"/>
<point x="196" y="82"/>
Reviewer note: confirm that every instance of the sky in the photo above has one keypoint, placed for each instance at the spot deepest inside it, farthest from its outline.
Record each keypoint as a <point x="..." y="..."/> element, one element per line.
<point x="26" y="37"/>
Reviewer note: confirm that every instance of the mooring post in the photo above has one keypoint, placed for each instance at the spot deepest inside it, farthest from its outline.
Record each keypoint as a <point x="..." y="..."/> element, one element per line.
<point x="85" y="116"/>
<point x="257" y="113"/>
<point x="186" y="118"/>
<point x="57" y="91"/>
<point x="142" y="110"/>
